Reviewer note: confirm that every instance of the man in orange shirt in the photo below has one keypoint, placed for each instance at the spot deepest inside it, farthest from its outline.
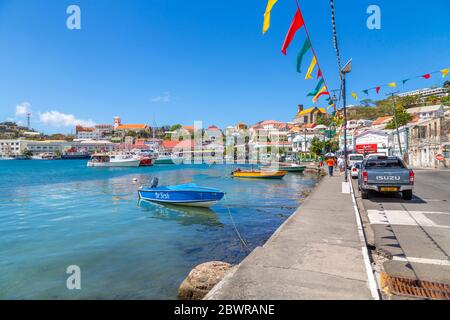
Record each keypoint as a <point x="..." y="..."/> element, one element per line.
<point x="330" y="164"/>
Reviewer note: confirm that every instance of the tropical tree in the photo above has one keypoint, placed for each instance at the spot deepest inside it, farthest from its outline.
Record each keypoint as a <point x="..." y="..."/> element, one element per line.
<point x="403" y="118"/>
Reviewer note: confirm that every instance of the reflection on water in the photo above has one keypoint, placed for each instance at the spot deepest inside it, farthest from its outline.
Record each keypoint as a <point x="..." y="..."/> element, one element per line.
<point x="183" y="214"/>
<point x="59" y="213"/>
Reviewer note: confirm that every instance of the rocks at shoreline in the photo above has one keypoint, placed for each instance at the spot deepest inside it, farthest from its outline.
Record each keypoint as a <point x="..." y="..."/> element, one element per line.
<point x="202" y="279"/>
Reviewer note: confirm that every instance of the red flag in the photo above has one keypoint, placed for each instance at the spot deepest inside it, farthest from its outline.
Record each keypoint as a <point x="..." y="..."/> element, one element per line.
<point x="426" y="76"/>
<point x="321" y="94"/>
<point x="378" y="89"/>
<point x="319" y="73"/>
<point x="296" y="24"/>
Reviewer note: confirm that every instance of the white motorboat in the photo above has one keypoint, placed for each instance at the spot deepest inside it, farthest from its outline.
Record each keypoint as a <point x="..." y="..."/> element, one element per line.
<point x="106" y="160"/>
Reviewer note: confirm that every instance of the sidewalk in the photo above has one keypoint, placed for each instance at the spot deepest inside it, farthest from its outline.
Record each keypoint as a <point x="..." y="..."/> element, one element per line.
<point x="315" y="254"/>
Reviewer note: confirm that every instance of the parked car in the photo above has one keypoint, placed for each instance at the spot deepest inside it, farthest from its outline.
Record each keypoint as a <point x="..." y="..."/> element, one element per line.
<point x="354" y="157"/>
<point x="354" y="171"/>
<point x="385" y="174"/>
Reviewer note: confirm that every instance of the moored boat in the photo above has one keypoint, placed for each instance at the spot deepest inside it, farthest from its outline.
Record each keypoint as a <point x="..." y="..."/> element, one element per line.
<point x="259" y="174"/>
<point x="287" y="167"/>
<point x="106" y="160"/>
<point x="184" y="194"/>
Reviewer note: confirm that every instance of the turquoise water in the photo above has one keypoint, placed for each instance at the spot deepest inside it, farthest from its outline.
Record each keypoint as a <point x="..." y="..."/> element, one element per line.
<point x="54" y="214"/>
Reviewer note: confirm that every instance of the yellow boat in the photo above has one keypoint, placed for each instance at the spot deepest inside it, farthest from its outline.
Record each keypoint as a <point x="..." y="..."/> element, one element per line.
<point x="256" y="174"/>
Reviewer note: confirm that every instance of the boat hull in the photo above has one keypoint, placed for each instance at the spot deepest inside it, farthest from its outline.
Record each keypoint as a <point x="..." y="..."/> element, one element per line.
<point x="185" y="198"/>
<point x="260" y="174"/>
<point x="163" y="161"/>
<point x="127" y="163"/>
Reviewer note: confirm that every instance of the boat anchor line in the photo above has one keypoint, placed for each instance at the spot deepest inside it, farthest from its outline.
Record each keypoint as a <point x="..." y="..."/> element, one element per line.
<point x="234" y="225"/>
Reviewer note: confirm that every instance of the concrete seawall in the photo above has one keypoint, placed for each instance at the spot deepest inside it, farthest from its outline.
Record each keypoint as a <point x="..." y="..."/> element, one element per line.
<point x="316" y="254"/>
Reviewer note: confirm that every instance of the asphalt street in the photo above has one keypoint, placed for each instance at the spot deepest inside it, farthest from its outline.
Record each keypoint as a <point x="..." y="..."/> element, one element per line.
<point x="416" y="233"/>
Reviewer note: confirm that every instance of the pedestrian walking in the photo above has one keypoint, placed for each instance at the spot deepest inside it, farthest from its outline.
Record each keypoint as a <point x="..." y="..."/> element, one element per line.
<point x="330" y="164"/>
<point x="340" y="163"/>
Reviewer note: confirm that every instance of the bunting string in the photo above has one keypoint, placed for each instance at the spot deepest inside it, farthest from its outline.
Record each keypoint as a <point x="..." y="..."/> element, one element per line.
<point x="394" y="84"/>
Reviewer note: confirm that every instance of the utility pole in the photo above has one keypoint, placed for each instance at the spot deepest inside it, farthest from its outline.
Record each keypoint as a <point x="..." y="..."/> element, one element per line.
<point x="346" y="69"/>
<point x="29" y="121"/>
<point x="392" y="94"/>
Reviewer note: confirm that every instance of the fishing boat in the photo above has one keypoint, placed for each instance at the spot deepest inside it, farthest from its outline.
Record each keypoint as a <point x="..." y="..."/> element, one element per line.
<point x="288" y="168"/>
<point x="163" y="159"/>
<point x="183" y="194"/>
<point x="106" y="160"/>
<point x="259" y="174"/>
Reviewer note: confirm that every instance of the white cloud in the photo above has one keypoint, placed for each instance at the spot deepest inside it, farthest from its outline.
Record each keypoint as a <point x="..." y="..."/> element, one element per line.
<point x="58" y="119"/>
<point x="23" y="109"/>
<point x="165" y="98"/>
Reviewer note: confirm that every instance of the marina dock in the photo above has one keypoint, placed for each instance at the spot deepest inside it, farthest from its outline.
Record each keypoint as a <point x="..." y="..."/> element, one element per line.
<point x="318" y="253"/>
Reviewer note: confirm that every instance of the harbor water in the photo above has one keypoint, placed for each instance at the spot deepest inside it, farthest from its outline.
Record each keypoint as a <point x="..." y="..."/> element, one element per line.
<point x="55" y="214"/>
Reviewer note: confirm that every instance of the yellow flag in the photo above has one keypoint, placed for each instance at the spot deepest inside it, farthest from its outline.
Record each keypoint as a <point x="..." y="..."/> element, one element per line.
<point x="445" y="72"/>
<point x="311" y="68"/>
<point x="269" y="7"/>
<point x="321" y="91"/>
<point x="392" y="84"/>
<point x="331" y="105"/>
<point x="355" y="96"/>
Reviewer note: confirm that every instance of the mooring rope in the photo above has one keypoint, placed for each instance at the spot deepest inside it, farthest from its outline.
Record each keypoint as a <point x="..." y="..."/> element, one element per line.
<point x="235" y="227"/>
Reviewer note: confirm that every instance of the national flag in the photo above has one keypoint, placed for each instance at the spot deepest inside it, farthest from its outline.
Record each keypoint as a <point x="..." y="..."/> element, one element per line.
<point x="269" y="7"/>
<point x="321" y="92"/>
<point x="296" y="24"/>
<point x="317" y="88"/>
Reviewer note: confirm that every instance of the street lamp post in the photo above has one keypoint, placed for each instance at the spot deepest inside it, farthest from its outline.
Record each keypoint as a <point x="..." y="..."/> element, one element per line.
<point x="346" y="69"/>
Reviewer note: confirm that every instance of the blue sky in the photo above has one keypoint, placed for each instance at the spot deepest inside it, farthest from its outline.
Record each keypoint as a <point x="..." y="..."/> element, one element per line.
<point x="180" y="61"/>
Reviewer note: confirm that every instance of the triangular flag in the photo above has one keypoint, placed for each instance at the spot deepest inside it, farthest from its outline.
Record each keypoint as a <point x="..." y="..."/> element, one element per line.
<point x="366" y="91"/>
<point x="331" y="105"/>
<point x="392" y="84"/>
<point x="426" y="76"/>
<point x="377" y="89"/>
<point x="296" y="24"/>
<point x="316" y="90"/>
<point x="269" y="7"/>
<point x="355" y="96"/>
<point x="404" y="81"/>
<point x="445" y="72"/>
<point x="311" y="68"/>
<point x="322" y="91"/>
<point x="319" y="73"/>
<point x="301" y="54"/>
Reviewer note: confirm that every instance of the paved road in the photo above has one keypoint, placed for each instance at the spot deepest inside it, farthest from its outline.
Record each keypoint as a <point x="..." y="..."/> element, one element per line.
<point x="416" y="233"/>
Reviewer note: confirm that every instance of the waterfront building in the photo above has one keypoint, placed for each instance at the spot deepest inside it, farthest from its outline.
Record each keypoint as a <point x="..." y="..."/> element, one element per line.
<point x="12" y="147"/>
<point x="427" y="112"/>
<point x="309" y="115"/>
<point x="371" y="141"/>
<point x="427" y="138"/>
<point x="60" y="146"/>
<point x="426" y="92"/>
<point x="86" y="133"/>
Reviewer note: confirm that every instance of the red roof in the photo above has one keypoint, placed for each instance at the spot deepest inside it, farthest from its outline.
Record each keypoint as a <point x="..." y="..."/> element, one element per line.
<point x="132" y="127"/>
<point x="185" y="144"/>
<point x="381" y="120"/>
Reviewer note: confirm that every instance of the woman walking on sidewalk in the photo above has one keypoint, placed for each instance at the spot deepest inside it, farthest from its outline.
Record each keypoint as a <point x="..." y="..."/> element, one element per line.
<point x="330" y="164"/>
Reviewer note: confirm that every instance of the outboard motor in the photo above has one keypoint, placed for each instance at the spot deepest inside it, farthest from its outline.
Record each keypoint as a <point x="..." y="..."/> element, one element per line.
<point x="154" y="182"/>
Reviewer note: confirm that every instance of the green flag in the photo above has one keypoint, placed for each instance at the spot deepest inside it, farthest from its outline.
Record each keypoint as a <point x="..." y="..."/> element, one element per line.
<point x="316" y="89"/>
<point x="301" y="54"/>
<point x="406" y="80"/>
<point x="366" y="91"/>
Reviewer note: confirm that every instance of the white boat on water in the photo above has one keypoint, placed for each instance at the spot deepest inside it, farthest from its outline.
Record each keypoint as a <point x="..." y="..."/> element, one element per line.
<point x="106" y="160"/>
<point x="6" y="158"/>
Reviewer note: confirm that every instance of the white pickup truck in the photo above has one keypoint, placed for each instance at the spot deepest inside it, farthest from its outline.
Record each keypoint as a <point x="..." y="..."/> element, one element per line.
<point x="385" y="174"/>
